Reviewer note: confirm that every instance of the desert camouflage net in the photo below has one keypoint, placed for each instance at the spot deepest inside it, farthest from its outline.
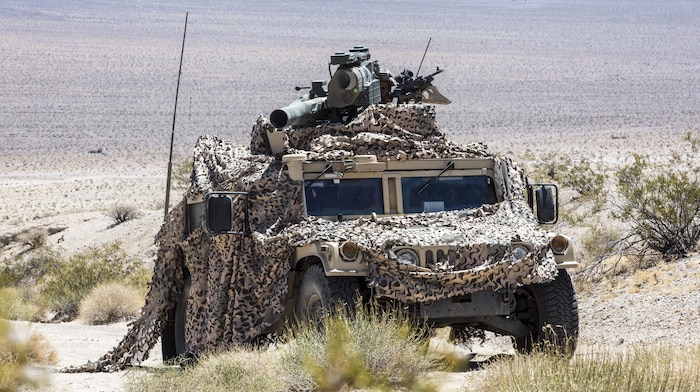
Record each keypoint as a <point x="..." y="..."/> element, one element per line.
<point x="239" y="282"/>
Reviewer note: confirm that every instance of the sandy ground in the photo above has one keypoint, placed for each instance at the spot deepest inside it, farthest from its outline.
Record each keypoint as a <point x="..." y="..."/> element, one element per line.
<point x="77" y="343"/>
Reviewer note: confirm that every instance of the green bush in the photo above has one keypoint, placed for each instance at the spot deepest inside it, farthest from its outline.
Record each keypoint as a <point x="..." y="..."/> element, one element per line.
<point x="661" y="200"/>
<point x="18" y="304"/>
<point x="62" y="283"/>
<point x="67" y="282"/>
<point x="28" y="269"/>
<point x="585" y="178"/>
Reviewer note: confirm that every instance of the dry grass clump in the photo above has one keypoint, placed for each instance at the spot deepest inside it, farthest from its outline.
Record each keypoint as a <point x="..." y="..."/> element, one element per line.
<point x="109" y="303"/>
<point x="235" y="370"/>
<point x="373" y="350"/>
<point x="18" y="352"/>
<point x="642" y="368"/>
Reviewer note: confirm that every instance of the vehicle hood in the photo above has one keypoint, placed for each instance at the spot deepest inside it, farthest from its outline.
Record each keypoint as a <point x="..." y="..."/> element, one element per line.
<point x="478" y="242"/>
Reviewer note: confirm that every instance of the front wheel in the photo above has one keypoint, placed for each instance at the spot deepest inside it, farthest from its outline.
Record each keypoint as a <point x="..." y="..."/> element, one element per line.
<point x="550" y="311"/>
<point x="319" y="294"/>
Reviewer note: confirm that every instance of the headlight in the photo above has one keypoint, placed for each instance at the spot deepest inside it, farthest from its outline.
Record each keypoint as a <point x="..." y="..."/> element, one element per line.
<point x="407" y="256"/>
<point x="559" y="244"/>
<point x="519" y="251"/>
<point x="349" y="250"/>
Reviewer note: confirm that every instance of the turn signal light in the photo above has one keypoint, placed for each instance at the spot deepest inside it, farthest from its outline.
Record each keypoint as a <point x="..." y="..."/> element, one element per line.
<point x="559" y="244"/>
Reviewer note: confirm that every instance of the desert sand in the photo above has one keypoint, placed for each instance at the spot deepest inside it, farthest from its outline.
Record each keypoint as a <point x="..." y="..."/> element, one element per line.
<point x="595" y="79"/>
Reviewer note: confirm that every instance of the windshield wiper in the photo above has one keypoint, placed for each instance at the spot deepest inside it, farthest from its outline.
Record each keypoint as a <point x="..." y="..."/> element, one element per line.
<point x="329" y="167"/>
<point x="432" y="180"/>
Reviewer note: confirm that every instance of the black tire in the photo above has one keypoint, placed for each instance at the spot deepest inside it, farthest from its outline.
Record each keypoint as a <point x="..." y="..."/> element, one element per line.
<point x="173" y="337"/>
<point x="319" y="294"/>
<point x="181" y="317"/>
<point x="550" y="310"/>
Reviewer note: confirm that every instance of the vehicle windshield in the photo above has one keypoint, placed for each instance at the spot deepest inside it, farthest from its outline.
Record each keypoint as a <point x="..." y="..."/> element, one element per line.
<point x="344" y="197"/>
<point x="446" y="193"/>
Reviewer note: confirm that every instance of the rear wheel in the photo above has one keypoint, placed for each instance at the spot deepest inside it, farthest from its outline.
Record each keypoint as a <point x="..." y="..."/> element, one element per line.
<point x="173" y="337"/>
<point x="550" y="311"/>
<point x="181" y="317"/>
<point x="320" y="294"/>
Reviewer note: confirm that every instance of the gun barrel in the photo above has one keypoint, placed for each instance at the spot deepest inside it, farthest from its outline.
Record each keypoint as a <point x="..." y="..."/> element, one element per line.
<point x="300" y="113"/>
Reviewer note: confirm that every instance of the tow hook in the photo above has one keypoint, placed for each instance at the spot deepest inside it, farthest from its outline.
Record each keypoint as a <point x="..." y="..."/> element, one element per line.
<point x="506" y="297"/>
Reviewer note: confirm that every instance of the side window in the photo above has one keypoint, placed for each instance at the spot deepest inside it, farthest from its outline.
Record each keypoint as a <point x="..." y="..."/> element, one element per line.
<point x="345" y="197"/>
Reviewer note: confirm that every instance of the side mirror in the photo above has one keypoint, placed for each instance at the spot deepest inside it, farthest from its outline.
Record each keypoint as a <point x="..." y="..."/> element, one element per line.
<point x="546" y="202"/>
<point x="220" y="212"/>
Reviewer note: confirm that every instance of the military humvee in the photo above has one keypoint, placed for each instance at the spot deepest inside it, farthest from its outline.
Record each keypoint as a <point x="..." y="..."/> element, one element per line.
<point x="353" y="193"/>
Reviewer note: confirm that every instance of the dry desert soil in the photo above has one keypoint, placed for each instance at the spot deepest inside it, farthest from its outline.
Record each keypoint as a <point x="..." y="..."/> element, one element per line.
<point x="589" y="79"/>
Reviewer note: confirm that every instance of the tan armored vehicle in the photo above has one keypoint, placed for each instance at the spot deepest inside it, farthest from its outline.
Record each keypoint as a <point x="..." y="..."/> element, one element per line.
<point x="361" y="197"/>
<point x="353" y="193"/>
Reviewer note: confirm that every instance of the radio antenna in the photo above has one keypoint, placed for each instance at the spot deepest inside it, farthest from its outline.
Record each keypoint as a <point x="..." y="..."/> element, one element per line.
<point x="172" y="133"/>
<point x="424" y="53"/>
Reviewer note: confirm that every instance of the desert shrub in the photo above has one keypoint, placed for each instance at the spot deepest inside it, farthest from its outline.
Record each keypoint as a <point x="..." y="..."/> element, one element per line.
<point x="541" y="167"/>
<point x="236" y="370"/>
<point x="67" y="282"/>
<point x="600" y="241"/>
<point x="18" y="352"/>
<point x="34" y="238"/>
<point x="122" y="212"/>
<point x="373" y="349"/>
<point x="584" y="177"/>
<point x="18" y="304"/>
<point x="8" y="273"/>
<point x="28" y="269"/>
<point x="661" y="201"/>
<point x="642" y="368"/>
<point x="110" y="302"/>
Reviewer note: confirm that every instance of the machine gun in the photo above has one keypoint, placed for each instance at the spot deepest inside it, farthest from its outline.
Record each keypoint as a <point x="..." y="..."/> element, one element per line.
<point x="419" y="89"/>
<point x="357" y="83"/>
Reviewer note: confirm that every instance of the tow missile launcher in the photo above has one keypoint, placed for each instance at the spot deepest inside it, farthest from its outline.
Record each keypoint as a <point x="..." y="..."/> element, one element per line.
<point x="357" y="83"/>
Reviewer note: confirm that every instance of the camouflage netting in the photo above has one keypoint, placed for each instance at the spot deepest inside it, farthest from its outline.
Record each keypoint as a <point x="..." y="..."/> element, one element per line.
<point x="239" y="282"/>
